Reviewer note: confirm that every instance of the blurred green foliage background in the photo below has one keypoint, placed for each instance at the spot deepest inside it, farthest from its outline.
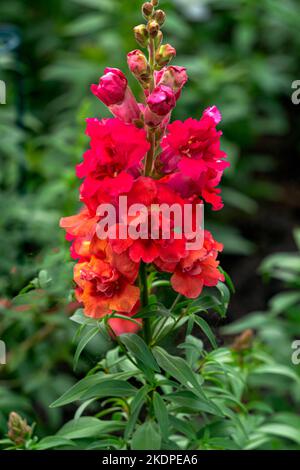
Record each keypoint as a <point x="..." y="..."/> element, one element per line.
<point x="241" y="55"/>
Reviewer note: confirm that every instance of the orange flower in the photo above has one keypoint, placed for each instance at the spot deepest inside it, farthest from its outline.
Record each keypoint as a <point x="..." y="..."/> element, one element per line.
<point x="80" y="229"/>
<point x="104" y="289"/>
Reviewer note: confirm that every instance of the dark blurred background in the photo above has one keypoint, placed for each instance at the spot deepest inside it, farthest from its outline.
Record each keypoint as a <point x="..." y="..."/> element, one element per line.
<point x="241" y="55"/>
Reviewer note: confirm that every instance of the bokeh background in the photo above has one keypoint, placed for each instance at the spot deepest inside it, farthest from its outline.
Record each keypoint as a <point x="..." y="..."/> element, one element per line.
<point x="241" y="55"/>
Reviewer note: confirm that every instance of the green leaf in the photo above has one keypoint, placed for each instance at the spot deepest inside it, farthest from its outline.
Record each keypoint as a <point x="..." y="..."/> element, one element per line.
<point x="225" y="297"/>
<point x="82" y="408"/>
<point x="187" y="401"/>
<point x="281" y="430"/>
<point x="206" y="330"/>
<point x="86" y="426"/>
<point x="44" y="279"/>
<point x="179" y="369"/>
<point x="277" y="370"/>
<point x="161" y="414"/>
<point x="146" y="437"/>
<point x="283" y="301"/>
<point x="228" y="280"/>
<point x="152" y="310"/>
<point x="80" y="388"/>
<point x="86" y="24"/>
<point x="86" y="338"/>
<point x="106" y="5"/>
<point x="296" y="234"/>
<point x="193" y="348"/>
<point x="183" y="427"/>
<point x="252" y="321"/>
<point x="138" y="348"/>
<point x="110" y="388"/>
<point x="81" y="319"/>
<point x="52" y="442"/>
<point x="135" y="409"/>
<point x="204" y="303"/>
<point x="239" y="200"/>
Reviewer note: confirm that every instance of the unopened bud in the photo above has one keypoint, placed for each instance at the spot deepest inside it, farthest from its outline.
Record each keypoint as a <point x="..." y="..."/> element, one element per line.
<point x="18" y="429"/>
<point x="155" y="3"/>
<point x="243" y="341"/>
<point x="141" y="35"/>
<point x="165" y="54"/>
<point x="174" y="77"/>
<point x="138" y="65"/>
<point x="162" y="100"/>
<point x="153" y="28"/>
<point x="111" y="88"/>
<point x="147" y="9"/>
<point x="160" y="17"/>
<point x="158" y="39"/>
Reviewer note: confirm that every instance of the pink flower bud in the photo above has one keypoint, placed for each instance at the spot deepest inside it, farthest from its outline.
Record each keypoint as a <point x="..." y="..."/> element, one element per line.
<point x="165" y="54"/>
<point x="173" y="76"/>
<point x="162" y="100"/>
<point x="111" y="88"/>
<point x="115" y="93"/>
<point x="138" y="65"/>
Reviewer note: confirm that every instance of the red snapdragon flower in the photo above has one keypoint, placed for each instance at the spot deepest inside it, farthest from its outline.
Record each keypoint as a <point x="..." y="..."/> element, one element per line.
<point x="115" y="155"/>
<point x="80" y="229"/>
<point x="197" y="269"/>
<point x="192" y="157"/>
<point x="146" y="248"/>
<point x="105" y="283"/>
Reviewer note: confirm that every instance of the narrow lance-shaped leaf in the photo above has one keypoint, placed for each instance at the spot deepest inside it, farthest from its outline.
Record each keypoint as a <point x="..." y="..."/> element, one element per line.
<point x="146" y="437"/>
<point x="179" y="369"/>
<point x="161" y="414"/>
<point x="139" y="350"/>
<point x="206" y="330"/>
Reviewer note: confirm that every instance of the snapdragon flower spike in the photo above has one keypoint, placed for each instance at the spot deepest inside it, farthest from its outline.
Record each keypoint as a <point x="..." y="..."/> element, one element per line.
<point x="114" y="92"/>
<point x="188" y="169"/>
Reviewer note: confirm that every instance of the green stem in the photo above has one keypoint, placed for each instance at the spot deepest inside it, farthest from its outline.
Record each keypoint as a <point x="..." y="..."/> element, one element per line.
<point x="148" y="170"/>
<point x="151" y="50"/>
<point x="151" y="132"/>
<point x="179" y="296"/>
<point x="160" y="283"/>
<point x="145" y="301"/>
<point x="151" y="153"/>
